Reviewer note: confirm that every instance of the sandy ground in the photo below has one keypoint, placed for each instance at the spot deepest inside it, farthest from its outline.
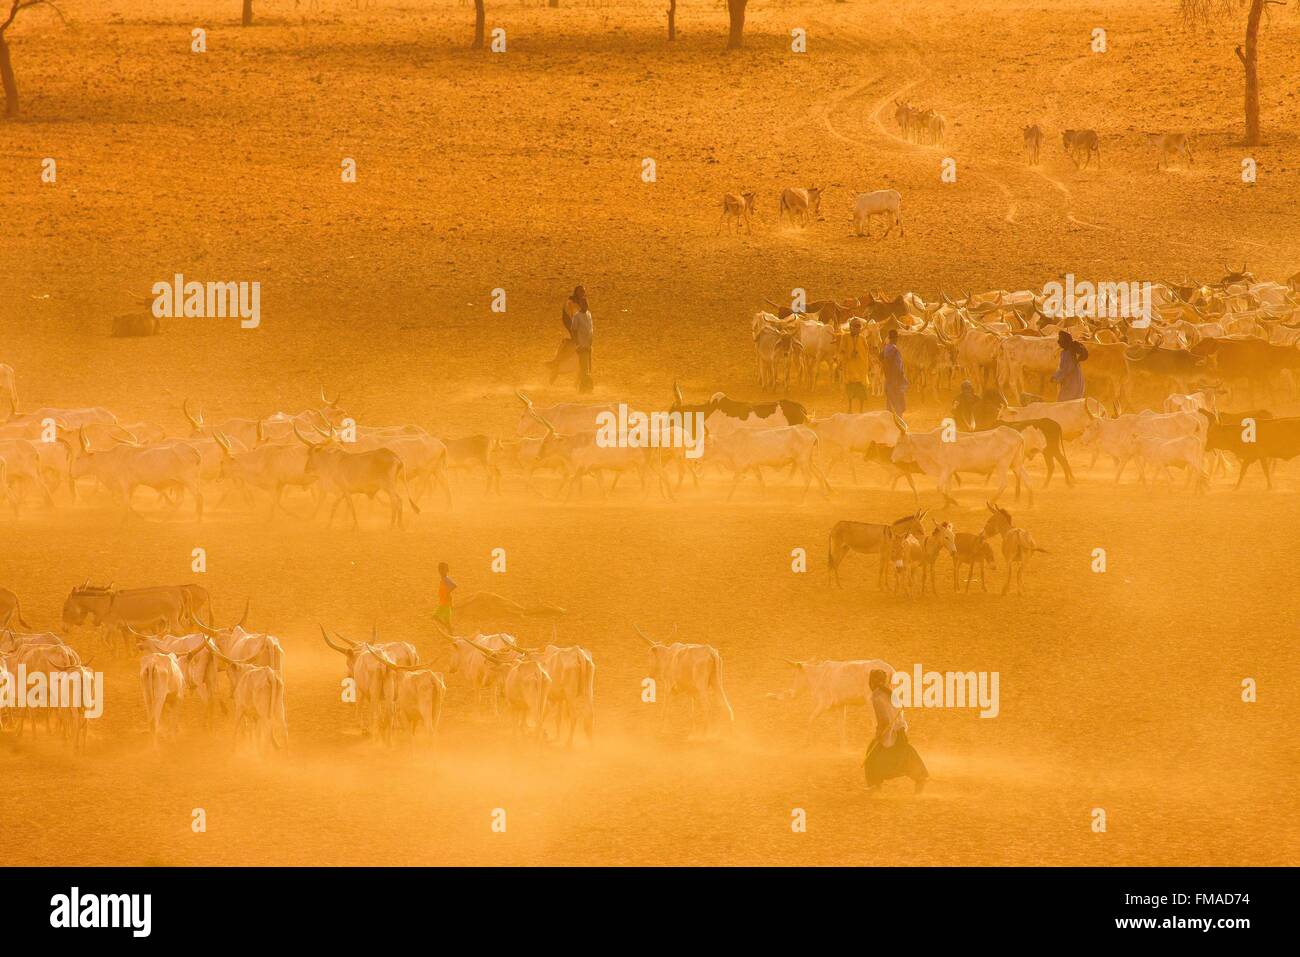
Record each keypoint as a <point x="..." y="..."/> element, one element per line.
<point x="522" y="171"/>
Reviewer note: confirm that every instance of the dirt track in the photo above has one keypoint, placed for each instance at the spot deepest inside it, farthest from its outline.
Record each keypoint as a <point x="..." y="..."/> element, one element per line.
<point x="521" y="171"/>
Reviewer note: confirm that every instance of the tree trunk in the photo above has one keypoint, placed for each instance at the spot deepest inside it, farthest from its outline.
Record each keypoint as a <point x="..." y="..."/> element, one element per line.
<point x="736" y="11"/>
<point x="672" y="20"/>
<point x="7" y="77"/>
<point x="248" y="13"/>
<point x="553" y="3"/>
<point x="1250" y="60"/>
<point x="480" y="16"/>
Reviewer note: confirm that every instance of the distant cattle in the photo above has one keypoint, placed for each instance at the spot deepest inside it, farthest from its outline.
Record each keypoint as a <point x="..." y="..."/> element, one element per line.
<point x="133" y="325"/>
<point x="882" y="202"/>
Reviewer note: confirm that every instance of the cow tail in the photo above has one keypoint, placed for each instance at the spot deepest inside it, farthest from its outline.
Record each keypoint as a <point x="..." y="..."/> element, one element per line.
<point x="722" y="691"/>
<point x="278" y="717"/>
<point x="830" y="551"/>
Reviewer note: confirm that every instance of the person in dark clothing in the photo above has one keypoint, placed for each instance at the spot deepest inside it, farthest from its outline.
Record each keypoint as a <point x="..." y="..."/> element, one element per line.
<point x="890" y="755"/>
<point x="895" y="380"/>
<point x="965" y="406"/>
<point x="1070" y="373"/>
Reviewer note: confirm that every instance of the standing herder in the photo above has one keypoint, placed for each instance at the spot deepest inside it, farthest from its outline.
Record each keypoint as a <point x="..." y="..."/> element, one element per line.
<point x="855" y="363"/>
<point x="582" y="331"/>
<point x="445" y="587"/>
<point x="895" y="380"/>
<point x="1070" y="372"/>
<point x="890" y="755"/>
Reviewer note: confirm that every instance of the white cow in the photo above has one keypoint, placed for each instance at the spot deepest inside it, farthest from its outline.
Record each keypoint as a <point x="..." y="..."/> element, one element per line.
<point x="1002" y="450"/>
<point x="690" y="671"/>
<point x="163" y="684"/>
<point x="834" y="686"/>
<point x="881" y="202"/>
<point x="750" y="450"/>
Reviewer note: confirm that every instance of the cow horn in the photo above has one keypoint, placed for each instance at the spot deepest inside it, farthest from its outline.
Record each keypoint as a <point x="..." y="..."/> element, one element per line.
<point x="677" y="392"/>
<point x="332" y="403"/>
<point x="230" y="661"/>
<point x="303" y="439"/>
<point x="85" y="442"/>
<point x="902" y="426"/>
<point x="244" y="617"/>
<point x="528" y="403"/>
<point x="652" y="644"/>
<point x="196" y="422"/>
<point x="339" y="649"/>
<point x="792" y="663"/>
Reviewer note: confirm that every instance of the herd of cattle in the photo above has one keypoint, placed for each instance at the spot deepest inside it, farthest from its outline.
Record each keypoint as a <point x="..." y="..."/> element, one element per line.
<point x="394" y="694"/>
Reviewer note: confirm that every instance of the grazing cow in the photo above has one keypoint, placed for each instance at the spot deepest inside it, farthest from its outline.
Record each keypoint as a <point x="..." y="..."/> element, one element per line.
<point x="175" y="466"/>
<point x="271" y="468"/>
<point x="163" y="684"/>
<point x="1053" y="446"/>
<point x="1168" y="366"/>
<point x="816" y="343"/>
<point x="566" y="418"/>
<point x="526" y="687"/>
<point x="801" y="203"/>
<point x="1186" y="452"/>
<point x="1253" y="438"/>
<point x="690" y="671"/>
<point x="573" y="688"/>
<point x="870" y="538"/>
<point x="774" y="345"/>
<point x="1072" y="415"/>
<point x="833" y="686"/>
<point x="881" y="202"/>
<point x="1085" y="142"/>
<point x="259" y="703"/>
<point x="750" y="450"/>
<point x="198" y="664"/>
<point x="1170" y="146"/>
<point x="1001" y="451"/>
<point x="1254" y="361"/>
<point x="469" y="660"/>
<point x="1117" y="437"/>
<point x="1033" y="143"/>
<point x="723" y="415"/>
<point x="368" y="672"/>
<point x="476" y="451"/>
<point x="735" y="210"/>
<point x="1018" y="355"/>
<point x="345" y="474"/>
<point x="1206" y="400"/>
<point x="132" y="325"/>
<point x="847" y="433"/>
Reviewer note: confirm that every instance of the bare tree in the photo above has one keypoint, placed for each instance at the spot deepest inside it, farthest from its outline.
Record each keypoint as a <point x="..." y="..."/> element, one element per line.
<point x="736" y="11"/>
<point x="1205" y="11"/>
<point x="672" y="20"/>
<point x="248" y="13"/>
<point x="480" y="18"/>
<point x="7" y="79"/>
